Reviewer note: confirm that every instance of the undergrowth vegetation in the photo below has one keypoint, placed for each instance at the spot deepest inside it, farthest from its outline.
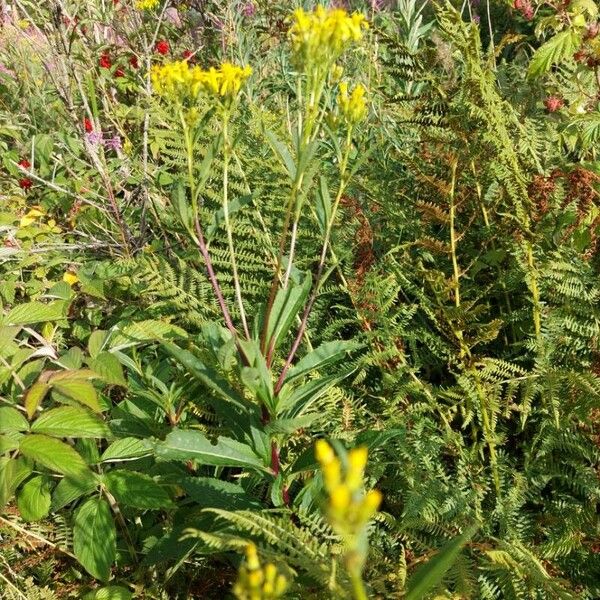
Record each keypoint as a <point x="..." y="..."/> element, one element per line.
<point x="299" y="300"/>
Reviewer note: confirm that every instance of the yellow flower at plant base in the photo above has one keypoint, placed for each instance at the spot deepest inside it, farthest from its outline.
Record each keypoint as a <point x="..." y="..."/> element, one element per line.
<point x="70" y="278"/>
<point x="256" y="582"/>
<point x="31" y="217"/>
<point x="146" y="4"/>
<point x="349" y="509"/>
<point x="353" y="107"/>
<point x="321" y="36"/>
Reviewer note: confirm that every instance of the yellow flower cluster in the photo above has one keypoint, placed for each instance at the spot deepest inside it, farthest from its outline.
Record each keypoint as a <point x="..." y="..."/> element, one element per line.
<point x="256" y="582"/>
<point x="31" y="217"/>
<point x="319" y="37"/>
<point x="179" y="80"/>
<point x="353" y="107"/>
<point x="349" y="507"/>
<point x="146" y="4"/>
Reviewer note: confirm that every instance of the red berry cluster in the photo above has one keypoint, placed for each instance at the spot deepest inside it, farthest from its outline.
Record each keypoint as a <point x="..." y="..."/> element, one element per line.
<point x="25" y="183"/>
<point x="525" y="8"/>
<point x="553" y="103"/>
<point x="162" y="47"/>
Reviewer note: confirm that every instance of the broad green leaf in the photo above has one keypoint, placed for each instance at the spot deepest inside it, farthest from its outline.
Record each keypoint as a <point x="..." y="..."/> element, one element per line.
<point x="136" y="489"/>
<point x="326" y="354"/>
<point x="125" y="449"/>
<point x="111" y="592"/>
<point x="94" y="538"/>
<point x="34" y="396"/>
<point x="70" y="421"/>
<point x="9" y="441"/>
<point x="54" y="455"/>
<point x="36" y="312"/>
<point x="431" y="574"/>
<point x="209" y="492"/>
<point x="557" y="49"/>
<point x="108" y="368"/>
<point x="12" y="420"/>
<point x="96" y="342"/>
<point x="303" y="397"/>
<point x="144" y="331"/>
<point x="33" y="499"/>
<point x="13" y="471"/>
<point x="70" y="489"/>
<point x="193" y="445"/>
<point x="81" y="391"/>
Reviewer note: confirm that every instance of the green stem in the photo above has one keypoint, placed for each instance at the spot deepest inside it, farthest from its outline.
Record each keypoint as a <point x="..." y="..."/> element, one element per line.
<point x="236" y="280"/>
<point x="358" y="587"/>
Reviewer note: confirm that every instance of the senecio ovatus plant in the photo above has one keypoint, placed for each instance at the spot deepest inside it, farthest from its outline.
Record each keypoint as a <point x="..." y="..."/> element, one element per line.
<point x="326" y="105"/>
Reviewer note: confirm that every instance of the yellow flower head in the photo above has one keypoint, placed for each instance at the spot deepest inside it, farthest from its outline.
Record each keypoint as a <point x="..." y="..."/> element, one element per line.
<point x="321" y="36"/>
<point x="256" y="582"/>
<point x="146" y="4"/>
<point x="70" y="278"/>
<point x="353" y="107"/>
<point x="31" y="217"/>
<point x="349" y="508"/>
<point x="178" y="81"/>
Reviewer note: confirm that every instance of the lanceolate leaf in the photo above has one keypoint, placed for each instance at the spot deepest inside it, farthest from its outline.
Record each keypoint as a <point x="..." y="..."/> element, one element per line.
<point x="325" y="355"/>
<point x="431" y="574"/>
<point x="36" y="312"/>
<point x="94" y="538"/>
<point x="193" y="445"/>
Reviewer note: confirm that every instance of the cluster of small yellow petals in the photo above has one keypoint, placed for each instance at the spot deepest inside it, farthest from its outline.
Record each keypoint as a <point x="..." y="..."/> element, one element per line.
<point x="319" y="37"/>
<point x="353" y="107"/>
<point x="349" y="508"/>
<point x="146" y="4"/>
<point x="256" y="582"/>
<point x="31" y="217"/>
<point x="179" y="80"/>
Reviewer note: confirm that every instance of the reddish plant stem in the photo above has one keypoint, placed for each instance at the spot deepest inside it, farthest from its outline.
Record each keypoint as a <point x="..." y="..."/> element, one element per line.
<point x="217" y="290"/>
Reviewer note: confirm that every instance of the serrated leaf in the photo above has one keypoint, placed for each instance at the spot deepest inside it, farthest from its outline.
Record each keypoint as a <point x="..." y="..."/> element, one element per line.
<point x="54" y="455"/>
<point x="94" y="538"/>
<point x="126" y="448"/>
<point x="33" y="499"/>
<point x="13" y="471"/>
<point x="193" y="445"/>
<point x="108" y="368"/>
<point x="557" y="49"/>
<point x="12" y="420"/>
<point x="34" y="396"/>
<point x="36" y="312"/>
<point x="214" y="493"/>
<point x="112" y="592"/>
<point x="96" y="342"/>
<point x="70" y="421"/>
<point x="69" y="489"/>
<point x="81" y="391"/>
<point x="136" y="489"/>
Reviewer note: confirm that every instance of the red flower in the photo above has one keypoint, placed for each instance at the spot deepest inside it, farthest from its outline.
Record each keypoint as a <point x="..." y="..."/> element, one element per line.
<point x="88" y="125"/>
<point x="24" y="163"/>
<point x="25" y="183"/>
<point x="553" y="103"/>
<point x="119" y="72"/>
<point x="162" y="47"/>
<point x="133" y="61"/>
<point x="105" y="61"/>
<point x="187" y="54"/>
